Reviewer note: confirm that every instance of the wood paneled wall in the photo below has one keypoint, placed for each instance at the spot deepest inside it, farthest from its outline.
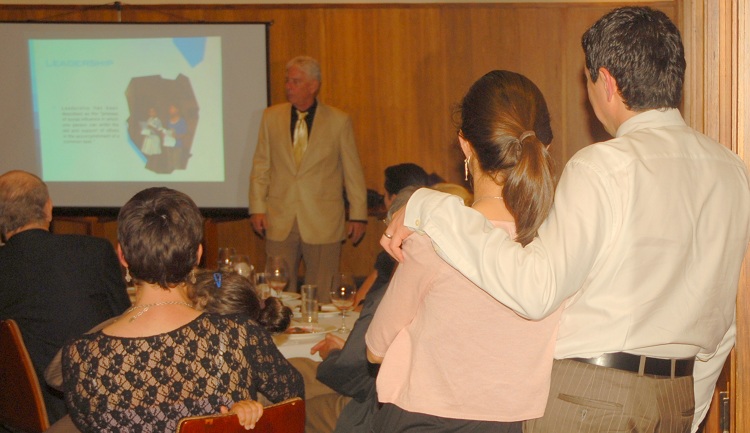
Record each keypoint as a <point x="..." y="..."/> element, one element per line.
<point x="399" y="70"/>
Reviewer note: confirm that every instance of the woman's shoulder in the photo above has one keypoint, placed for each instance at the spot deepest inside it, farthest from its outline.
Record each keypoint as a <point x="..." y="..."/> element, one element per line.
<point x="84" y="339"/>
<point x="202" y="324"/>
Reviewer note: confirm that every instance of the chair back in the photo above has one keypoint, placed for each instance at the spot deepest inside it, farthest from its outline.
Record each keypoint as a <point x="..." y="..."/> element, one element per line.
<point x="285" y="417"/>
<point x="21" y="401"/>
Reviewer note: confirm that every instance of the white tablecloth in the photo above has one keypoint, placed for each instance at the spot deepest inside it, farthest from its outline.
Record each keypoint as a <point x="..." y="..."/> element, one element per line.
<point x="299" y="345"/>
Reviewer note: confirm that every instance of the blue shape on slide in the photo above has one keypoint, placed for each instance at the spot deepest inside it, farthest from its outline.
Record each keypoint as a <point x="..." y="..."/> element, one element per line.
<point x="137" y="150"/>
<point x="193" y="49"/>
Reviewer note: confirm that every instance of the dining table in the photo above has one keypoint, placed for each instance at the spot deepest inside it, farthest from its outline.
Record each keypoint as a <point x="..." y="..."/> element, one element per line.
<point x="301" y="337"/>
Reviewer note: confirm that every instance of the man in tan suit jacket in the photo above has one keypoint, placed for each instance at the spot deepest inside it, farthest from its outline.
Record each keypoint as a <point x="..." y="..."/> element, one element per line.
<point x="298" y="205"/>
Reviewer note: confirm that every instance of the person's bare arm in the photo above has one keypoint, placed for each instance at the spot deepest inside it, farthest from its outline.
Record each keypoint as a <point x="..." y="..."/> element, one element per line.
<point x="372" y="358"/>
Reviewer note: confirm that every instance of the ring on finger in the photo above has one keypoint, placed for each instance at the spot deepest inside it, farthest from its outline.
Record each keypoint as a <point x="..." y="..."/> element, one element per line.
<point x="387" y="235"/>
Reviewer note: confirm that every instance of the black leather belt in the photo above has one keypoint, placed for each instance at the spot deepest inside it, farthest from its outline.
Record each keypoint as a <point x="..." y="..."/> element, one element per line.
<point x="652" y="366"/>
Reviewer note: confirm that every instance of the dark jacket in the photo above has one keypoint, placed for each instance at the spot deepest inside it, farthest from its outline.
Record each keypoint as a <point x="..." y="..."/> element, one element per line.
<point x="347" y="371"/>
<point x="58" y="287"/>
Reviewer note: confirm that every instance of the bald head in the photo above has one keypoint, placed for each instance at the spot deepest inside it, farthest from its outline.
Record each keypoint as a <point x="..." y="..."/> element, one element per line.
<point x="24" y="203"/>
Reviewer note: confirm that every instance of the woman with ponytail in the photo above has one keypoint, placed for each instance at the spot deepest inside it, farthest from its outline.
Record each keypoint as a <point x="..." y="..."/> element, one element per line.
<point x="230" y="293"/>
<point x="453" y="358"/>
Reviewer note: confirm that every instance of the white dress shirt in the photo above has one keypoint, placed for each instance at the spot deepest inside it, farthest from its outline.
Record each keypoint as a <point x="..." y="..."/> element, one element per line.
<point x="643" y="245"/>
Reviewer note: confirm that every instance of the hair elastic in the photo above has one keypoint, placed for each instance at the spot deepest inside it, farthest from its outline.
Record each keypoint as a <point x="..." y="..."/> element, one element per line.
<point x="526" y="134"/>
<point x="217" y="279"/>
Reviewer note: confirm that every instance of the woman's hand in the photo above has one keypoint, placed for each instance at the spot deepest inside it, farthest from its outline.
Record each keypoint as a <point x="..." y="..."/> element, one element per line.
<point x="248" y="412"/>
<point x="395" y="234"/>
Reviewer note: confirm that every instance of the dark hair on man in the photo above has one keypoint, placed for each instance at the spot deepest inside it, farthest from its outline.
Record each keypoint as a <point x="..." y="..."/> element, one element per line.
<point x="505" y="119"/>
<point x="399" y="176"/>
<point x="159" y="231"/>
<point x="642" y="49"/>
<point x="23" y="197"/>
<point x="230" y="293"/>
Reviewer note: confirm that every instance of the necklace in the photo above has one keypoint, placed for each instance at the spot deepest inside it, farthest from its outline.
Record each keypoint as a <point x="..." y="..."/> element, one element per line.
<point x="146" y="307"/>
<point x="496" y="197"/>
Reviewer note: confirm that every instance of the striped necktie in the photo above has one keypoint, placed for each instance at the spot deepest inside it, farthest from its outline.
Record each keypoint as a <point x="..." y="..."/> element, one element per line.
<point x="300" y="137"/>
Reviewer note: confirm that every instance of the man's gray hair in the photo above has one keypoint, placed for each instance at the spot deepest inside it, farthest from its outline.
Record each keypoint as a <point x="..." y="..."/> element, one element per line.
<point x="23" y="197"/>
<point x="309" y="66"/>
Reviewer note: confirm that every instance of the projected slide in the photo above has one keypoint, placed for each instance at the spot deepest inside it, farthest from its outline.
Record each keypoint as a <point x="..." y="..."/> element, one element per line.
<point x="101" y="111"/>
<point x="128" y="110"/>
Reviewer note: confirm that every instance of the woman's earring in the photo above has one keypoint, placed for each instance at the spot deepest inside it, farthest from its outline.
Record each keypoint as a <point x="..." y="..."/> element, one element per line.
<point x="192" y="277"/>
<point x="128" y="278"/>
<point x="466" y="169"/>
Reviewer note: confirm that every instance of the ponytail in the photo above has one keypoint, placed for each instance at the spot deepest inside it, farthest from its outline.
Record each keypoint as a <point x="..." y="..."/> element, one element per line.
<point x="529" y="187"/>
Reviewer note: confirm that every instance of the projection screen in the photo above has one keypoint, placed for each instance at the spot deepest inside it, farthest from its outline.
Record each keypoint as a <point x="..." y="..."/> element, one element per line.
<point x="101" y="111"/>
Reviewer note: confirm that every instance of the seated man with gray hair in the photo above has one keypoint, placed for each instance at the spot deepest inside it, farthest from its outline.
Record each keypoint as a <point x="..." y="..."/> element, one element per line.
<point x="54" y="286"/>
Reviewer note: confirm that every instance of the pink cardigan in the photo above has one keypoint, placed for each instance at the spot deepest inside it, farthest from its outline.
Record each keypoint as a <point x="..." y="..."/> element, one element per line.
<point x="450" y="350"/>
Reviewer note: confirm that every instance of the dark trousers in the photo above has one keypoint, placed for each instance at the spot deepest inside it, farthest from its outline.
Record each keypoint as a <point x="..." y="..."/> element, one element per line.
<point x="589" y="398"/>
<point x="393" y="419"/>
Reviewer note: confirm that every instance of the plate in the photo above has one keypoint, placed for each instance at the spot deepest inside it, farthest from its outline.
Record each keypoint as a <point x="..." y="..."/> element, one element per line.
<point x="315" y="330"/>
<point x="325" y="310"/>
<point x="292" y="303"/>
<point x="289" y="295"/>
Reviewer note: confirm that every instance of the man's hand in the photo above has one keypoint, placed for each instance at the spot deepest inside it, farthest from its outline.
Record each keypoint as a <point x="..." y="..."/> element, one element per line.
<point x="324" y="346"/>
<point x="259" y="223"/>
<point x="248" y="412"/>
<point x="355" y="230"/>
<point x="394" y="235"/>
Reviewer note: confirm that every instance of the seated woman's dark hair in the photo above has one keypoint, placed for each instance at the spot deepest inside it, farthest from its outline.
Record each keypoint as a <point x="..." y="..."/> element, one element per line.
<point x="230" y="293"/>
<point x="399" y="176"/>
<point x="160" y="231"/>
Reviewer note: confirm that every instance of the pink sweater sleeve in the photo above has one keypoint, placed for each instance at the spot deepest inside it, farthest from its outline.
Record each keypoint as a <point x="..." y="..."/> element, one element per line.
<point x="411" y="281"/>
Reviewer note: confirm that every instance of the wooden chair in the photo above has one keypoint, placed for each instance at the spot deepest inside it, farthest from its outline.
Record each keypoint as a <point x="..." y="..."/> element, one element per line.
<point x="21" y="401"/>
<point x="285" y="417"/>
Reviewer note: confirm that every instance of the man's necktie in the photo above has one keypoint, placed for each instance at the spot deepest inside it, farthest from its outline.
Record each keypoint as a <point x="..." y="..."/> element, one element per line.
<point x="300" y="137"/>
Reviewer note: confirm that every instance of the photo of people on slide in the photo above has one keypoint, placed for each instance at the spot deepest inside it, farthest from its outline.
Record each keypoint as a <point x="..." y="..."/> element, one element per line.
<point x="166" y="141"/>
<point x="128" y="109"/>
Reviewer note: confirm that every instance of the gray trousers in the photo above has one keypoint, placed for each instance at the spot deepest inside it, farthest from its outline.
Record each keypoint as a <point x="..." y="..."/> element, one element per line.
<point x="321" y="261"/>
<point x="589" y="398"/>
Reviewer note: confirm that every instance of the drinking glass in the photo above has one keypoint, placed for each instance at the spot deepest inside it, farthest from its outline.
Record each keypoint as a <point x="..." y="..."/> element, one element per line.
<point x="343" y="290"/>
<point x="241" y="265"/>
<point x="224" y="261"/>
<point x="261" y="285"/>
<point x="277" y="273"/>
<point x="309" y="306"/>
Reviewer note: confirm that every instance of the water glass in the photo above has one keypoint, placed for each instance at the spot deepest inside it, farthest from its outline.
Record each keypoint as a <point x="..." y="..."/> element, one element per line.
<point x="309" y="306"/>
<point x="224" y="261"/>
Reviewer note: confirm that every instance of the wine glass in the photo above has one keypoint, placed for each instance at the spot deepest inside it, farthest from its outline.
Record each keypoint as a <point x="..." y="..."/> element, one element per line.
<point x="277" y="274"/>
<point x="343" y="290"/>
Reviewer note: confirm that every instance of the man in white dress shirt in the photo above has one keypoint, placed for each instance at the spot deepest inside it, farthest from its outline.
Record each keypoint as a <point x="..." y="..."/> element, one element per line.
<point x="643" y="246"/>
